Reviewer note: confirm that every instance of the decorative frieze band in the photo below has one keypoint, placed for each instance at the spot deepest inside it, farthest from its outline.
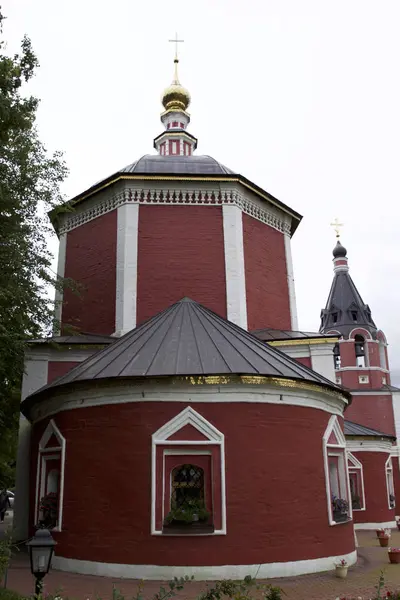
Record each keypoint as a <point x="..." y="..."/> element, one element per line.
<point x="174" y="197"/>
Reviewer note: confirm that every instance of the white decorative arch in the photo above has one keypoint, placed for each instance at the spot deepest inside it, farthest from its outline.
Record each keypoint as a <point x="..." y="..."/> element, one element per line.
<point x="188" y="416"/>
<point x="212" y="436"/>
<point x="358" y="329"/>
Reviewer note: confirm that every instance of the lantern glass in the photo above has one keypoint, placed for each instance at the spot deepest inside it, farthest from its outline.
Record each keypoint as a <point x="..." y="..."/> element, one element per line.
<point x="41" y="559"/>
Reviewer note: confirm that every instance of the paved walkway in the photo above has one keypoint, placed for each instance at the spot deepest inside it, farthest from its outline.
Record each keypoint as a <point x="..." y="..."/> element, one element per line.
<point x="361" y="579"/>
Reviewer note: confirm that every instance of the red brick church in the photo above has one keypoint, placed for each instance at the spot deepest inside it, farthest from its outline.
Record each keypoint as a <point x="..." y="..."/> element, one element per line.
<point x="178" y="421"/>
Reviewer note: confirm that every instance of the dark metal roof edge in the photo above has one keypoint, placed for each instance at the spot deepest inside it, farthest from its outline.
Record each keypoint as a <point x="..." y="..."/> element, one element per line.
<point x="376" y="433"/>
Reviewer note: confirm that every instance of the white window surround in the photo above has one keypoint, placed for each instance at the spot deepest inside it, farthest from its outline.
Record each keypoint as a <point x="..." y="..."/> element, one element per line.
<point x="389" y="481"/>
<point x="213" y="437"/>
<point x="338" y="449"/>
<point x="355" y="466"/>
<point x="45" y="454"/>
<point x="363" y="379"/>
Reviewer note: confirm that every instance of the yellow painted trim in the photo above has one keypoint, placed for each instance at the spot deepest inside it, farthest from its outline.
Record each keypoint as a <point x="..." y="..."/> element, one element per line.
<point x="302" y="342"/>
<point x="182" y="178"/>
<point x="259" y="380"/>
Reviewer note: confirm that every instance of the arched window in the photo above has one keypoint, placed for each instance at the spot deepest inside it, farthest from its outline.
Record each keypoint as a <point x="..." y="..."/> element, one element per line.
<point x="336" y="356"/>
<point x="356" y="478"/>
<point x="390" y="483"/>
<point x="336" y="473"/>
<point x="359" y="344"/>
<point x="187" y="486"/>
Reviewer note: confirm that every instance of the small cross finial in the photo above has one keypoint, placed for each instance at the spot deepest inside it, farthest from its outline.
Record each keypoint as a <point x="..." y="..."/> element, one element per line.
<point x="176" y="41"/>
<point x="336" y="227"/>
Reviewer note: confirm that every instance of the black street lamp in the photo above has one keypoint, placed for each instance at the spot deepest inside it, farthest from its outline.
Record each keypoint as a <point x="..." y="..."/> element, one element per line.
<point x="41" y="548"/>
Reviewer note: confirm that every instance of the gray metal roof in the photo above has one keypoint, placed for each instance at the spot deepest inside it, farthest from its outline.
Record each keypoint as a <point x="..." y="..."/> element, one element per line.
<point x="82" y="338"/>
<point x="270" y="335"/>
<point x="187" y="339"/>
<point x="355" y="429"/>
<point x="177" y="165"/>
<point x="344" y="299"/>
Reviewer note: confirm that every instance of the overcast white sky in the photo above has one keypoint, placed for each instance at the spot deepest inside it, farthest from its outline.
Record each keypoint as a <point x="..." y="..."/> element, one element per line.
<point x="300" y="96"/>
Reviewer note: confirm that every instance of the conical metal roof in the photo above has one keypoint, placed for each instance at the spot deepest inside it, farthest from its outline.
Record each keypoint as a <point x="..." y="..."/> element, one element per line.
<point x="187" y="339"/>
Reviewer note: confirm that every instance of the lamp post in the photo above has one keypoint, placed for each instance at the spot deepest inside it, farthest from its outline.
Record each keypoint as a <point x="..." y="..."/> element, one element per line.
<point x="41" y="548"/>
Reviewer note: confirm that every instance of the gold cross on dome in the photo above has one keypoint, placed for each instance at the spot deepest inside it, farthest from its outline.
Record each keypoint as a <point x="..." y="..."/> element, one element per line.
<point x="176" y="42"/>
<point x="336" y="227"/>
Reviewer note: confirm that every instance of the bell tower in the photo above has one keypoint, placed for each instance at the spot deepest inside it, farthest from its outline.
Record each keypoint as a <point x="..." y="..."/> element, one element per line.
<point x="360" y="356"/>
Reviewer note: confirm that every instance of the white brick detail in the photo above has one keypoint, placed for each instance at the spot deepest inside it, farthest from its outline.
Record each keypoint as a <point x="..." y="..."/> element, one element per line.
<point x="234" y="266"/>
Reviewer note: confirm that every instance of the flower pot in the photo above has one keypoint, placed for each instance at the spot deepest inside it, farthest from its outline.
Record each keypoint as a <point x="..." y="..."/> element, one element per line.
<point x="394" y="557"/>
<point x="379" y="533"/>
<point x="341" y="571"/>
<point x="384" y="542"/>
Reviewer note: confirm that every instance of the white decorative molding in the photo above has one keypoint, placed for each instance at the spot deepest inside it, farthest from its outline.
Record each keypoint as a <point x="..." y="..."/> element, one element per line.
<point x="206" y="573"/>
<point x="187" y="417"/>
<point x="179" y="197"/>
<point x="290" y="280"/>
<point x="62" y="250"/>
<point x="157" y="391"/>
<point x="235" y="277"/>
<point x="382" y="525"/>
<point x="383" y="445"/>
<point x="126" y="276"/>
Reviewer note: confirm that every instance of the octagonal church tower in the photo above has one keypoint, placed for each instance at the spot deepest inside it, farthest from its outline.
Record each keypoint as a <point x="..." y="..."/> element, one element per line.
<point x="170" y="225"/>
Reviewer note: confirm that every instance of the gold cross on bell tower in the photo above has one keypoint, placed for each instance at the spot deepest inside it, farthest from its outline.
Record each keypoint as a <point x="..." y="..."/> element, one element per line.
<point x="176" y="41"/>
<point x="336" y="227"/>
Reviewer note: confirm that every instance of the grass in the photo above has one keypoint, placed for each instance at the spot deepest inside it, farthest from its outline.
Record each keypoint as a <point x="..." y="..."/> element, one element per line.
<point x="9" y="595"/>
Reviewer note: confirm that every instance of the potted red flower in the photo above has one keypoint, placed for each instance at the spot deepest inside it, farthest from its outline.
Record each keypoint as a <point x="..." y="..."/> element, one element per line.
<point x="394" y="555"/>
<point x="384" y="540"/>
<point x="341" y="568"/>
<point x="380" y="532"/>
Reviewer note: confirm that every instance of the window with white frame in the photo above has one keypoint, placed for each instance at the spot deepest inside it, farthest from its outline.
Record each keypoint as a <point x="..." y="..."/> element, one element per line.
<point x="50" y="478"/>
<point x="356" y="480"/>
<point x="336" y="473"/>
<point x="390" y="483"/>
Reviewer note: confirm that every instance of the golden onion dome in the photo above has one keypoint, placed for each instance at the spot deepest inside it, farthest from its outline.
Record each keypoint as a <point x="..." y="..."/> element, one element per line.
<point x="175" y="96"/>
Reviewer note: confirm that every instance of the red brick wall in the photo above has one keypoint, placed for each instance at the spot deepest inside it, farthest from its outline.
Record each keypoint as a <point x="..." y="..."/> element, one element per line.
<point x="181" y="253"/>
<point x="274" y="492"/>
<point x="372" y="411"/>
<point x="376" y="500"/>
<point x="91" y="261"/>
<point x="305" y="360"/>
<point x="57" y="369"/>
<point x="351" y="381"/>
<point x="266" y="276"/>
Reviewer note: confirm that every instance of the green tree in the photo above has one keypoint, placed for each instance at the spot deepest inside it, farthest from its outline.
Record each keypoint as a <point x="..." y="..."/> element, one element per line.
<point x="29" y="186"/>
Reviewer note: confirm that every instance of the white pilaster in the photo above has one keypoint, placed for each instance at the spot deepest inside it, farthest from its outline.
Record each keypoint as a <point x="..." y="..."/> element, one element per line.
<point x="62" y="249"/>
<point x="234" y="266"/>
<point x="322" y="360"/>
<point x="127" y="256"/>
<point x="35" y="377"/>
<point x="290" y="280"/>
